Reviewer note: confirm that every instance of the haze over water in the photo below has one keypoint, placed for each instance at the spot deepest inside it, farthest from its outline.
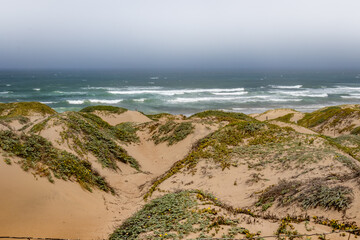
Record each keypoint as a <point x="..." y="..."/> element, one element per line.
<point x="181" y="92"/>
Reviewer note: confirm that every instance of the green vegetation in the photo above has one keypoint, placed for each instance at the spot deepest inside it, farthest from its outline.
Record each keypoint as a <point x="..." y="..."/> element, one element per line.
<point x="90" y="133"/>
<point x="349" y="144"/>
<point x="127" y="132"/>
<point x="339" y="143"/>
<point x="176" y="215"/>
<point x="333" y="116"/>
<point x="156" y="117"/>
<point x="7" y="161"/>
<point x="219" y="146"/>
<point x="222" y="116"/>
<point x="356" y="131"/>
<point x="38" y="154"/>
<point x="312" y="194"/>
<point x="41" y="125"/>
<point x="109" y="109"/>
<point x="22" y="109"/>
<point x="338" y="197"/>
<point x="286" y="118"/>
<point x="172" y="132"/>
<point x="287" y="229"/>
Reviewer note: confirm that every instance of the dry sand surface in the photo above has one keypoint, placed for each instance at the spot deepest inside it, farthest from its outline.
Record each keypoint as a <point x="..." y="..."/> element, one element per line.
<point x="128" y="116"/>
<point x="35" y="207"/>
<point x="32" y="206"/>
<point x="275" y="113"/>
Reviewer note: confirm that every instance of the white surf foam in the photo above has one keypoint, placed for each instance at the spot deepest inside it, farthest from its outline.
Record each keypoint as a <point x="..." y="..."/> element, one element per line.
<point x="105" y="101"/>
<point x="235" y="99"/>
<point x="4" y="92"/>
<point x="48" y="102"/>
<point x="36" y="89"/>
<point x="352" y="96"/>
<point x="286" y="87"/>
<point x="139" y="100"/>
<point x="305" y="93"/>
<point x="176" y="91"/>
<point x="70" y="93"/>
<point x="229" y="93"/>
<point x="75" y="101"/>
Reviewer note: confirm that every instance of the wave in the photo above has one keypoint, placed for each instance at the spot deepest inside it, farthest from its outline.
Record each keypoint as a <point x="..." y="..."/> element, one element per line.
<point x="8" y="85"/>
<point x="176" y="92"/>
<point x="348" y="88"/>
<point x="105" y="101"/>
<point x="352" y="96"/>
<point x="5" y="92"/>
<point x="48" y="102"/>
<point x="229" y="93"/>
<point x="286" y="87"/>
<point x="70" y="93"/>
<point x="75" y="101"/>
<point x="305" y="93"/>
<point x="243" y="99"/>
<point x="139" y="100"/>
<point x="122" y="88"/>
<point x="36" y="89"/>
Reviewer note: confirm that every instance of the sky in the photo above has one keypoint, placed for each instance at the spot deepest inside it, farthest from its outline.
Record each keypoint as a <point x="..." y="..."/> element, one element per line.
<point x="179" y="34"/>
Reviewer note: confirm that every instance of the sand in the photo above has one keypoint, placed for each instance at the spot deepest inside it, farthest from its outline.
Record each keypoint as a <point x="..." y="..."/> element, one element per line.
<point x="32" y="206"/>
<point x="128" y="116"/>
<point x="276" y="113"/>
<point x="35" y="207"/>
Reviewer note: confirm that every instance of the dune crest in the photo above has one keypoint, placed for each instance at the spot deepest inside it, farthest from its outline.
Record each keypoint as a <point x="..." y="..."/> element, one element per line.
<point x="90" y="174"/>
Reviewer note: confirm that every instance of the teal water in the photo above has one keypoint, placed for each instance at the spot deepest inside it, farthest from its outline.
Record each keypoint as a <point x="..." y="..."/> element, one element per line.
<point x="181" y="92"/>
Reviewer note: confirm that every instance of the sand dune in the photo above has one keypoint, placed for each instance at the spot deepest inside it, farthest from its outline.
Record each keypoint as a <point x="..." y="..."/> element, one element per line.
<point x="32" y="206"/>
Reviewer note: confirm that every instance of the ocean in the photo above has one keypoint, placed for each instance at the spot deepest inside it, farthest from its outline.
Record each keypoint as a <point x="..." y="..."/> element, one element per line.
<point x="181" y="92"/>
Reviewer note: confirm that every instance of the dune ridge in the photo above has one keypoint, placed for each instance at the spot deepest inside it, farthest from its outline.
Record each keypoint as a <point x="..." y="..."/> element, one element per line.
<point x="238" y="175"/>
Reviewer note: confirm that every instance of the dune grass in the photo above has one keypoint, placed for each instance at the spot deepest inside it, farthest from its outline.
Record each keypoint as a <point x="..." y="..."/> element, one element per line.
<point x="176" y="215"/>
<point x="331" y="116"/>
<point x="172" y="132"/>
<point x="222" y="116"/>
<point x="109" y="109"/>
<point x="39" y="155"/>
<point x="219" y="146"/>
<point x="24" y="109"/>
<point x="316" y="193"/>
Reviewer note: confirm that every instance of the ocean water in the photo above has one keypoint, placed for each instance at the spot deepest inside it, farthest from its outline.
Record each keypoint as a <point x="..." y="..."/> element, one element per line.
<point x="181" y="92"/>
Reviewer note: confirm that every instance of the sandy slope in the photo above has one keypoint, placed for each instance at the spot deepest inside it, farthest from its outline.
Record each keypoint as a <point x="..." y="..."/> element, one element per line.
<point x="128" y="116"/>
<point x="32" y="206"/>
<point x="275" y="113"/>
<point x="35" y="207"/>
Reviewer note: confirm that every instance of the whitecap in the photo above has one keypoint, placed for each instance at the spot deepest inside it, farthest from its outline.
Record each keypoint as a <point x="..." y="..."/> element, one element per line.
<point x="5" y="92"/>
<point x="305" y="93"/>
<point x="242" y="99"/>
<point x="229" y="93"/>
<point x="175" y="91"/>
<point x="139" y="100"/>
<point x="75" y="101"/>
<point x="36" y="89"/>
<point x="70" y="93"/>
<point x="48" y="102"/>
<point x="105" y="101"/>
<point x="352" y="96"/>
<point x="279" y="86"/>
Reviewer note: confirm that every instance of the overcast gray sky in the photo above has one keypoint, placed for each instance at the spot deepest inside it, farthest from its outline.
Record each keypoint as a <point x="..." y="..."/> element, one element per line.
<point x="179" y="33"/>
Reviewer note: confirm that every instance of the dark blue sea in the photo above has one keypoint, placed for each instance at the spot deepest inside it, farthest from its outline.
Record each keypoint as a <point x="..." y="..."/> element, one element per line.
<point x="181" y="92"/>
